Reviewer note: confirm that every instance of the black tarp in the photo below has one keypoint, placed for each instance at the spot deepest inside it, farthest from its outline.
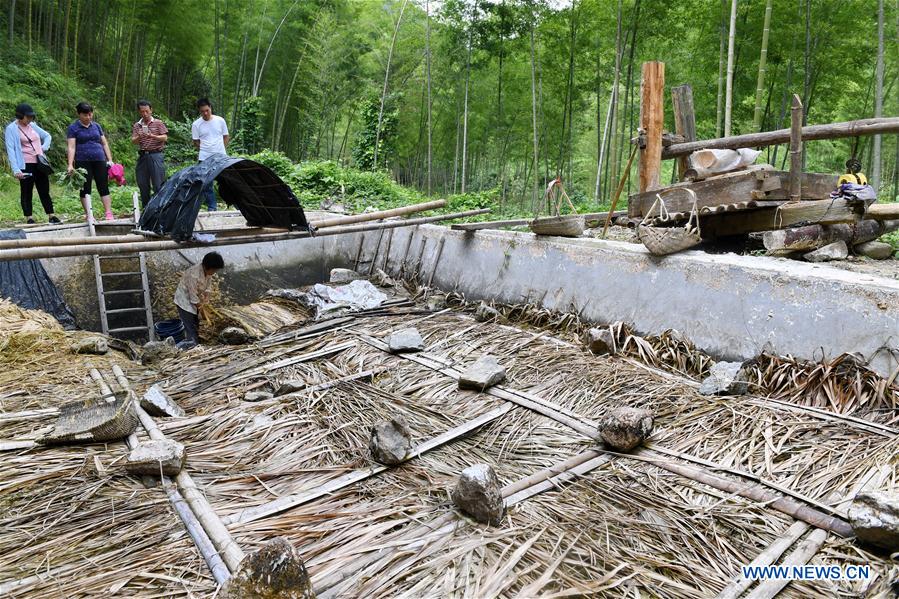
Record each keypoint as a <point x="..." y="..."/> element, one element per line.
<point x="26" y="283"/>
<point x="254" y="189"/>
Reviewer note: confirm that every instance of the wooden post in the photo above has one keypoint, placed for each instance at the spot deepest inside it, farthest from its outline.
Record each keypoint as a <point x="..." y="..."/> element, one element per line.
<point x="796" y="149"/>
<point x="652" y="118"/>
<point x="684" y="122"/>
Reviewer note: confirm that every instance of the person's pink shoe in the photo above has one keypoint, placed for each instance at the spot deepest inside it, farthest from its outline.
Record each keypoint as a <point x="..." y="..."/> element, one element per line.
<point x="110" y="215"/>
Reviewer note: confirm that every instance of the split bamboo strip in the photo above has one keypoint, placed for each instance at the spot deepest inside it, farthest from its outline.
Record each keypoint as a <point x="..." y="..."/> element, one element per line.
<point x="212" y="524"/>
<point x="285" y="503"/>
<point x="765" y="558"/>
<point x="798" y="557"/>
<point x="157" y="246"/>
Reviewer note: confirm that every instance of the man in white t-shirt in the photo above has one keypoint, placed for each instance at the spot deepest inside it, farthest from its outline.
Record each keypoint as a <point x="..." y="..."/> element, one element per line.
<point x="210" y="135"/>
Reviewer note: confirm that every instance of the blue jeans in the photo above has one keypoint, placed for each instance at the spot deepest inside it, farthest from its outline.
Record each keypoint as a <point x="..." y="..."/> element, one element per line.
<point x="209" y="198"/>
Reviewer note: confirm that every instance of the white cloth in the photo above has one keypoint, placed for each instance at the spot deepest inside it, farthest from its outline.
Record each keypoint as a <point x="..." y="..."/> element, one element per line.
<point x="211" y="135"/>
<point x="192" y="288"/>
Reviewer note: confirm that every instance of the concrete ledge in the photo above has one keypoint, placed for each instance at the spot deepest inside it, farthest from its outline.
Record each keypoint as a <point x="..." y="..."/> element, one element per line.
<point x="732" y="307"/>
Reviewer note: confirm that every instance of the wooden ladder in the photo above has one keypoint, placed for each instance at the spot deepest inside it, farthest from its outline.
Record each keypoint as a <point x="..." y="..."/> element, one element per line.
<point x="138" y="266"/>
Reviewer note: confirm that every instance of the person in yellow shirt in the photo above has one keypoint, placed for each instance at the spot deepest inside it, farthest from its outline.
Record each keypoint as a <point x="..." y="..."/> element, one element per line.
<point x="192" y="292"/>
<point x="853" y="174"/>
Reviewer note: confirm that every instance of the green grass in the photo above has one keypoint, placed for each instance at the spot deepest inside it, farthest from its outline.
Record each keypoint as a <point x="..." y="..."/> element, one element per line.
<point x="67" y="205"/>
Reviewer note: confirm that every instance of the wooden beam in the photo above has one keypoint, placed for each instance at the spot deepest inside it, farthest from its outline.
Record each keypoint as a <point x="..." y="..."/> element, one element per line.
<point x="490" y="224"/>
<point x="652" y="120"/>
<point x="824" y="212"/>
<point x="759" y="184"/>
<point x="796" y="149"/>
<point x="811" y="237"/>
<point x="780" y="136"/>
<point x="684" y="122"/>
<point x="883" y="211"/>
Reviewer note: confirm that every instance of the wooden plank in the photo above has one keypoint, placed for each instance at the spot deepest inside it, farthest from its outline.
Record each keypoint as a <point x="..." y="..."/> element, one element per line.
<point x="825" y="212"/>
<point x="492" y="224"/>
<point x="652" y="120"/>
<point x="780" y="136"/>
<point x="765" y="185"/>
<point x="883" y="211"/>
<point x="684" y="122"/>
<point x="796" y="149"/>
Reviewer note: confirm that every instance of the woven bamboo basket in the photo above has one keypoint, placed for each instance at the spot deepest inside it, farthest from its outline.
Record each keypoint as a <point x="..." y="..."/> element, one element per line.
<point x="662" y="241"/>
<point x="569" y="225"/>
<point x="92" y="421"/>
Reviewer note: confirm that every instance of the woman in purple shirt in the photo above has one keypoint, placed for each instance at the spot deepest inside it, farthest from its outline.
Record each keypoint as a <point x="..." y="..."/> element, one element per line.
<point x="88" y="149"/>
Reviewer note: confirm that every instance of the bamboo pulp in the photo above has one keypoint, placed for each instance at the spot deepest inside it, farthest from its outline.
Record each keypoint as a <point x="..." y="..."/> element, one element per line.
<point x="163" y="245"/>
<point x="133" y="238"/>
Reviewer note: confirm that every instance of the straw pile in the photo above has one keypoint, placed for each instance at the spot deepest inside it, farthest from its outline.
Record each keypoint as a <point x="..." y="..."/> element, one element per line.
<point x="257" y="319"/>
<point x="843" y="384"/>
<point x="627" y="528"/>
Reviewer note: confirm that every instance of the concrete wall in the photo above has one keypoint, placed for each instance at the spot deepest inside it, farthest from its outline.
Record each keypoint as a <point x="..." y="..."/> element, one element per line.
<point x="730" y="306"/>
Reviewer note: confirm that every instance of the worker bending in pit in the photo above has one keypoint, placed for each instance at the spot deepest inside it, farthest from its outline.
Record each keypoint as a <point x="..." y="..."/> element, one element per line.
<point x="192" y="293"/>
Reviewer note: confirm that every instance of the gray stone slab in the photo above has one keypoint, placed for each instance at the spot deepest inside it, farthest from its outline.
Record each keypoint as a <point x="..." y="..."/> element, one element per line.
<point x="478" y="494"/>
<point x="151" y="457"/>
<point x="405" y="341"/>
<point x="484" y="373"/>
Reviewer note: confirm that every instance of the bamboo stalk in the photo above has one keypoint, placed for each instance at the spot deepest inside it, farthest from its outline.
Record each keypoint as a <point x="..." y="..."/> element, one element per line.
<point x="765" y="558"/>
<point x="800" y="556"/>
<point x="211" y="523"/>
<point x="796" y="149"/>
<point x="134" y="238"/>
<point x="772" y="138"/>
<point x="164" y="245"/>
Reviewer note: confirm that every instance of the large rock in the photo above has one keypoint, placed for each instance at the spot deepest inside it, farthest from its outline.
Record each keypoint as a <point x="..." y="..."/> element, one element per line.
<point x="876" y="250"/>
<point x="485" y="372"/>
<point x="341" y="276"/>
<point x="874" y="517"/>
<point x="600" y="341"/>
<point x="234" y="336"/>
<point x="90" y="345"/>
<point x="405" y="340"/>
<point x="156" y="402"/>
<point x="726" y="378"/>
<point x="832" y="251"/>
<point x="478" y="494"/>
<point x="390" y="441"/>
<point x="148" y="457"/>
<point x="275" y="571"/>
<point x="622" y="429"/>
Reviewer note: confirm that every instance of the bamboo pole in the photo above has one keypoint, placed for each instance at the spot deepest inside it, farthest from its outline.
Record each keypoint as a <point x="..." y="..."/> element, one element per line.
<point x="163" y="245"/>
<point x="796" y="149"/>
<point x="231" y="554"/>
<point x="133" y="238"/>
<point x="771" y="138"/>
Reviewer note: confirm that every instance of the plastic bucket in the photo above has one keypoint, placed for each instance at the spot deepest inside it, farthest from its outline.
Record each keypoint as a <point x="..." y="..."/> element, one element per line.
<point x="170" y="328"/>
